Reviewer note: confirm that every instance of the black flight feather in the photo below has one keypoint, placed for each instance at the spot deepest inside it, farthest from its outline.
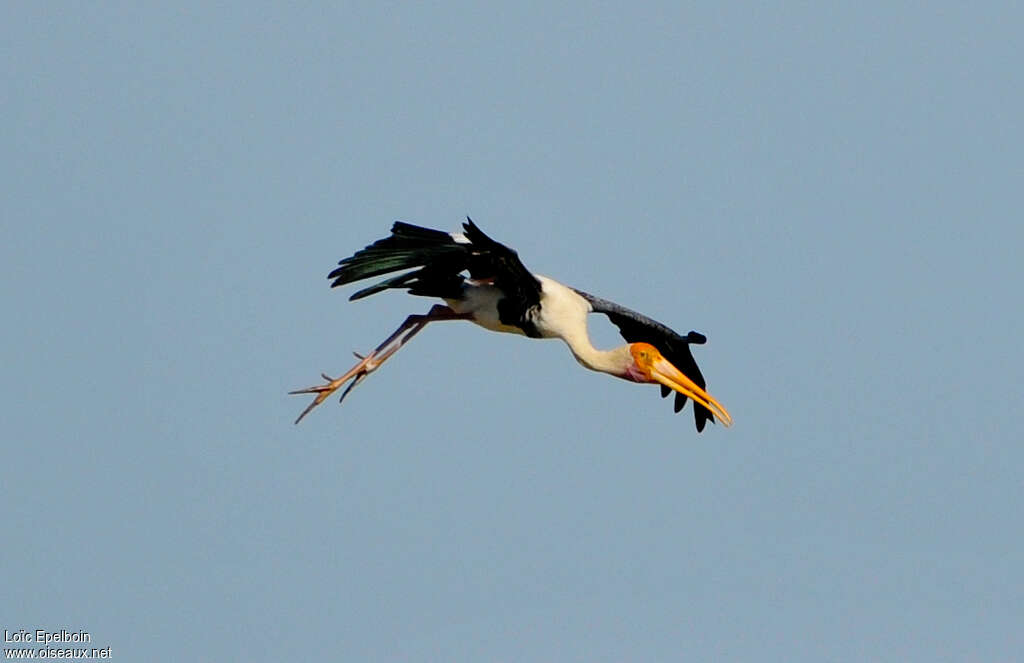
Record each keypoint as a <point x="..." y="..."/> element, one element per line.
<point x="638" y="328"/>
<point x="437" y="261"/>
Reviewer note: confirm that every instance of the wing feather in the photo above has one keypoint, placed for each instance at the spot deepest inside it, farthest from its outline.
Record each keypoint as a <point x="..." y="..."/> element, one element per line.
<point x="438" y="260"/>
<point x="491" y="261"/>
<point x="638" y="328"/>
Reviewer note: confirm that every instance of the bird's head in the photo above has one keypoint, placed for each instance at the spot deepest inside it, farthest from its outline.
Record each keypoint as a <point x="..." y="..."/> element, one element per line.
<point x="649" y="365"/>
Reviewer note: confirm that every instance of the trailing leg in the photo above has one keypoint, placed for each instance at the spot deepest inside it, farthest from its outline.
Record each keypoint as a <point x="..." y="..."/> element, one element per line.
<point x="371" y="362"/>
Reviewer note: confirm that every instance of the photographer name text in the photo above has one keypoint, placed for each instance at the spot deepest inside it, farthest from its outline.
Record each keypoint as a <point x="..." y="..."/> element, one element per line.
<point x="46" y="637"/>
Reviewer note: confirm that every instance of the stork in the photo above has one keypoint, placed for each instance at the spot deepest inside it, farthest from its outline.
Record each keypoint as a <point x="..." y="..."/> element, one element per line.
<point x="501" y="294"/>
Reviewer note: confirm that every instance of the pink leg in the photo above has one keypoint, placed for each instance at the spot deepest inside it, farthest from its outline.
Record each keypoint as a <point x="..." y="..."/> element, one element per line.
<point x="371" y="362"/>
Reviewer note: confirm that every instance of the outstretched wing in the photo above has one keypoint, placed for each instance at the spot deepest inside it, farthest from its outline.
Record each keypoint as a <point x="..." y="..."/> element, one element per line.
<point x="437" y="260"/>
<point x="491" y="261"/>
<point x="638" y="328"/>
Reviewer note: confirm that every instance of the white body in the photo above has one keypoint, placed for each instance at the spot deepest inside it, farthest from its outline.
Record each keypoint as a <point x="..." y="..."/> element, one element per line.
<point x="562" y="314"/>
<point x="562" y="311"/>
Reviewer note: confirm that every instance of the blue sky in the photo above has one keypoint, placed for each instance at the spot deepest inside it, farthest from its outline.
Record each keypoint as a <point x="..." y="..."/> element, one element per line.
<point x="830" y="194"/>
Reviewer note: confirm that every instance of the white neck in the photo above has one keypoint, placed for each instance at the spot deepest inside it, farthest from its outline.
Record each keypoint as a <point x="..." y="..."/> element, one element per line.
<point x="614" y="361"/>
<point x="564" y="316"/>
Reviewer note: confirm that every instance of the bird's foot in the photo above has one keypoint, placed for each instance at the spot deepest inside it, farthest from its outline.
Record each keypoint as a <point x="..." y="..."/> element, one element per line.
<point x="357" y="374"/>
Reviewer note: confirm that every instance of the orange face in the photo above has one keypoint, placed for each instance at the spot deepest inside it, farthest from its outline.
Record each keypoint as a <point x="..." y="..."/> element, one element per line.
<point x="644" y="354"/>
<point x="651" y="366"/>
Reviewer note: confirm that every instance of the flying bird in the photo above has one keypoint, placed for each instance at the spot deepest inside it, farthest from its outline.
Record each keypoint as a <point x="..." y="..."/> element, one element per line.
<point x="501" y="295"/>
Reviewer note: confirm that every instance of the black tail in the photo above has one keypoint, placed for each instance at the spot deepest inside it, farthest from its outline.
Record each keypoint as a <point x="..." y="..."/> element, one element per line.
<point x="439" y="257"/>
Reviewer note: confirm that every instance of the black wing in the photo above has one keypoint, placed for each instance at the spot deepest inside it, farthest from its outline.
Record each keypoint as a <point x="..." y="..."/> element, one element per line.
<point x="437" y="261"/>
<point x="638" y="328"/>
<point x="491" y="261"/>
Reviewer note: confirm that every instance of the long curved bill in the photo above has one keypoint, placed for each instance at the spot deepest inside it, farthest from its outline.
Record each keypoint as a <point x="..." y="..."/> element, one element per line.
<point x="664" y="372"/>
